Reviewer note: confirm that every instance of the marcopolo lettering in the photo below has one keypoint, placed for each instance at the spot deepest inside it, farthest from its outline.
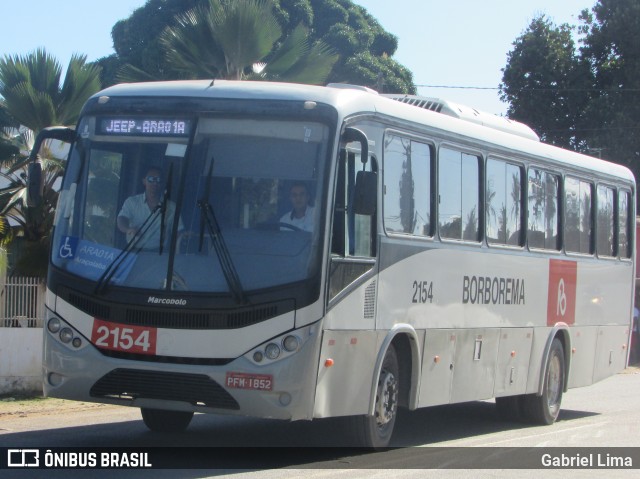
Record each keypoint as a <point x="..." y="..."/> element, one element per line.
<point x="168" y="301"/>
<point x="493" y="290"/>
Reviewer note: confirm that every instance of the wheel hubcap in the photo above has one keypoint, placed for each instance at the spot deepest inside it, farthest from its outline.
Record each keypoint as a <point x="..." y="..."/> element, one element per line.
<point x="387" y="398"/>
<point x="554" y="386"/>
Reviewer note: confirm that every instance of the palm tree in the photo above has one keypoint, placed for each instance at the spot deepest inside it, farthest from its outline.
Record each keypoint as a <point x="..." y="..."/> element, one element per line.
<point x="239" y="40"/>
<point x="32" y="99"/>
<point x="33" y="96"/>
<point x="7" y="125"/>
<point x="6" y="236"/>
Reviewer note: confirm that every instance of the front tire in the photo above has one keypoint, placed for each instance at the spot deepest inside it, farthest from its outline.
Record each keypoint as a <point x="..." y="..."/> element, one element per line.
<point x="375" y="431"/>
<point x="545" y="409"/>
<point x="159" y="420"/>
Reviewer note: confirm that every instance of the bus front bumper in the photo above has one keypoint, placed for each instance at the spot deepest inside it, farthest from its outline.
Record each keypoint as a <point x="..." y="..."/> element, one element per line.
<point x="279" y="389"/>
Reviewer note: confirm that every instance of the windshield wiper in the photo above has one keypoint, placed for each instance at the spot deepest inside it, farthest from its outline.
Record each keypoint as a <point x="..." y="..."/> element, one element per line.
<point x="113" y="267"/>
<point x="163" y="206"/>
<point x="208" y="218"/>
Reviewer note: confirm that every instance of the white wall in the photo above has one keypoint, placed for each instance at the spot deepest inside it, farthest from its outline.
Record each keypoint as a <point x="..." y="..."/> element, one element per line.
<point x="20" y="360"/>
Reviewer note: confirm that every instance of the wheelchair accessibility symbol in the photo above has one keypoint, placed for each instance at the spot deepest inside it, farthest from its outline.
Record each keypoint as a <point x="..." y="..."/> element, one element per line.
<point x="68" y="248"/>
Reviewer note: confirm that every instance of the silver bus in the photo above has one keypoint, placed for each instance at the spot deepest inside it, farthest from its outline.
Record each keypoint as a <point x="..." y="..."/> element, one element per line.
<point x="299" y="252"/>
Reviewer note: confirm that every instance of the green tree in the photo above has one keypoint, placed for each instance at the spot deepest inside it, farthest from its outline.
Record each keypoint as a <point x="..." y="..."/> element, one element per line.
<point x="33" y="95"/>
<point x="545" y="83"/>
<point x="340" y="24"/>
<point x="585" y="98"/>
<point x="238" y="40"/>
<point x="7" y="130"/>
<point x="612" y="49"/>
<point x="33" y="98"/>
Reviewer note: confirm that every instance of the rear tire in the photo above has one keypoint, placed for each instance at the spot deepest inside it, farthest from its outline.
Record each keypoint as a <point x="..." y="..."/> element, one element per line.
<point x="159" y="420"/>
<point x="545" y="409"/>
<point x="375" y="431"/>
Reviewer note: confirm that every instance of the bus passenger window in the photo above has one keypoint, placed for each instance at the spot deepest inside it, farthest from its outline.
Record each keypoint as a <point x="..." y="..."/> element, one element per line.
<point x="624" y="224"/>
<point x="459" y="194"/>
<point x="407" y="186"/>
<point x="543" y="210"/>
<point x="504" y="203"/>
<point x="605" y="222"/>
<point x="578" y="223"/>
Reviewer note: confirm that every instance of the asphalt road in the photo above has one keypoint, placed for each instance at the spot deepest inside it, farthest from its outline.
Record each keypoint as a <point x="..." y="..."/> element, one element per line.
<point x="603" y="415"/>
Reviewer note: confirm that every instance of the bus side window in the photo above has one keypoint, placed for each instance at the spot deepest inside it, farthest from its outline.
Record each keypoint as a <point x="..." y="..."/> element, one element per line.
<point x="503" y="200"/>
<point x="578" y="223"/>
<point x="353" y="233"/>
<point x="605" y="220"/>
<point x="337" y="238"/>
<point x="624" y="225"/>
<point x="543" y="218"/>
<point x="353" y="237"/>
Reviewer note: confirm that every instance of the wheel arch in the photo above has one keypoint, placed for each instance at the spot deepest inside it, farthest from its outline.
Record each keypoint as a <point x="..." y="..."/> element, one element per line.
<point x="405" y="340"/>
<point x="562" y="332"/>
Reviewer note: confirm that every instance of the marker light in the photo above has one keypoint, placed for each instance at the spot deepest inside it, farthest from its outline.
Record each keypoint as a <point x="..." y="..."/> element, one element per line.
<point x="54" y="325"/>
<point x="54" y="379"/>
<point x="77" y="342"/>
<point x="272" y="351"/>
<point x="258" y="356"/>
<point x="290" y="343"/>
<point x="66" y="335"/>
<point x="285" y="399"/>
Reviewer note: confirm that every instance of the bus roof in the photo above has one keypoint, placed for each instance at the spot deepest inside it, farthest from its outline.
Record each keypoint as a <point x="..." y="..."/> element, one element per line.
<point x="350" y="100"/>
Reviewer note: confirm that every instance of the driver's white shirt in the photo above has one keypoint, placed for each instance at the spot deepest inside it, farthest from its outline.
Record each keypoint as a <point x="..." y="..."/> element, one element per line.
<point x="136" y="209"/>
<point x="305" y="222"/>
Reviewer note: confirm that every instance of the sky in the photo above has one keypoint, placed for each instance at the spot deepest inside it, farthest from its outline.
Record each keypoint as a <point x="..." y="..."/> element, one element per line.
<point x="452" y="43"/>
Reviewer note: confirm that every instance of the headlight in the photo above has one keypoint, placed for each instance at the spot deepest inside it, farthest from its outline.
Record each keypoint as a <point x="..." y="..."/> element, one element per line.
<point x="290" y="343"/>
<point x="281" y="347"/>
<point x="66" y="335"/>
<point x="54" y="325"/>
<point x="272" y="351"/>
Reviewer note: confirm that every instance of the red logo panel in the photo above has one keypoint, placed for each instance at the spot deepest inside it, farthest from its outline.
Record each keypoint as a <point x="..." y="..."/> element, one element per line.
<point x="561" y="304"/>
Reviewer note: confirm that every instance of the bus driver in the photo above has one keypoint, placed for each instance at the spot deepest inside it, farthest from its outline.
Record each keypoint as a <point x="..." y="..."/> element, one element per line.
<point x="301" y="215"/>
<point x="138" y="208"/>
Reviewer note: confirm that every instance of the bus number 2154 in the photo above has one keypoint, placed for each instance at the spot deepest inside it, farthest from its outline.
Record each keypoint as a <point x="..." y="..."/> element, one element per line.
<point x="422" y="292"/>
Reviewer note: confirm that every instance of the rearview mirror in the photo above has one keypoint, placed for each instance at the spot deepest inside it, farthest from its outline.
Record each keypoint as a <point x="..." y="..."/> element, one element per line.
<point x="35" y="178"/>
<point x="364" y="201"/>
<point x="35" y="183"/>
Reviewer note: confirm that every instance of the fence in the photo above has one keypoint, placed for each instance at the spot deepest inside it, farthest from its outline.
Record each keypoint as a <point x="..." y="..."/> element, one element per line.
<point x="22" y="302"/>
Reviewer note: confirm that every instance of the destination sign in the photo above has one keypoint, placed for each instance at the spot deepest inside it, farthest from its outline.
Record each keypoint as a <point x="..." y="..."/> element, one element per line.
<point x="143" y="126"/>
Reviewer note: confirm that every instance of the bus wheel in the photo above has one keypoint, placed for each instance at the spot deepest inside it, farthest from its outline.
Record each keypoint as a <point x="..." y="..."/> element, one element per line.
<point x="376" y="430"/>
<point x="544" y="409"/>
<point x="159" y="420"/>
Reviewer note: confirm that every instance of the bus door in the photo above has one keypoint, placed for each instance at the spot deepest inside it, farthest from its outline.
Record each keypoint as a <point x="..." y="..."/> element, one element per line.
<point x="353" y="241"/>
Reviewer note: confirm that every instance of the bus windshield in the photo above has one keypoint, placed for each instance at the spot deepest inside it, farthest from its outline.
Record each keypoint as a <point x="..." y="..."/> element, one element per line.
<point x="221" y="205"/>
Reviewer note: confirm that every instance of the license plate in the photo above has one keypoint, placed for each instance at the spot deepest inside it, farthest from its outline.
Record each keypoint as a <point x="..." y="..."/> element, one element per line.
<point x="261" y="382"/>
<point x="123" y="337"/>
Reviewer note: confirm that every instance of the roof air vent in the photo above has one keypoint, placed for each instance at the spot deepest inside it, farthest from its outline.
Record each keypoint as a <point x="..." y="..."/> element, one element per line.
<point x="468" y="114"/>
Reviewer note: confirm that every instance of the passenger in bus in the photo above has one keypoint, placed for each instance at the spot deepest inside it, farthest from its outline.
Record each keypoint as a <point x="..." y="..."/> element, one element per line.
<point x="301" y="215"/>
<point x="138" y="208"/>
